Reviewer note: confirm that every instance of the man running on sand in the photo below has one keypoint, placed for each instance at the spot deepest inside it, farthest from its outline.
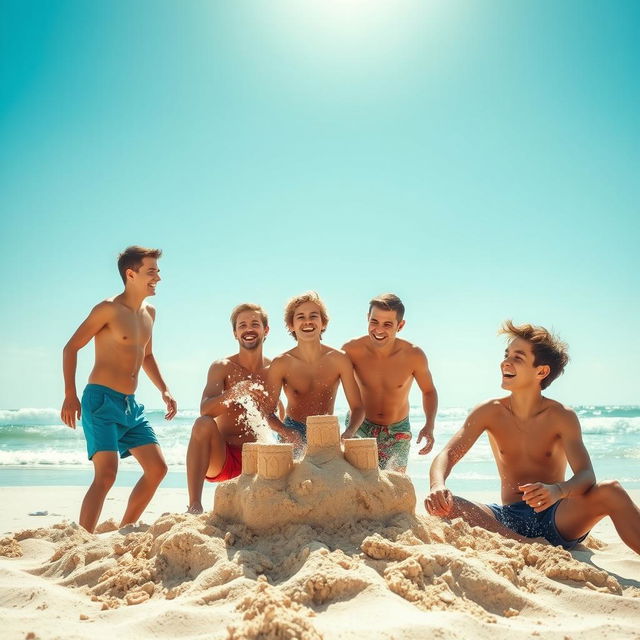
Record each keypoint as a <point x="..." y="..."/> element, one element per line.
<point x="385" y="368"/>
<point x="233" y="386"/>
<point x="310" y="372"/>
<point x="112" y="420"/>
<point x="532" y="439"/>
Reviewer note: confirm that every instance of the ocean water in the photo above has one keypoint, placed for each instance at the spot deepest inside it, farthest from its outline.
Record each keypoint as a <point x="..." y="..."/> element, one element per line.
<point x="36" y="449"/>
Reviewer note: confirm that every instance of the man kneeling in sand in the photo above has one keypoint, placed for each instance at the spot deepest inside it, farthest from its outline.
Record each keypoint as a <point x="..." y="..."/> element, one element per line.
<point x="385" y="367"/>
<point x="532" y="439"/>
<point x="233" y="385"/>
<point x="311" y="372"/>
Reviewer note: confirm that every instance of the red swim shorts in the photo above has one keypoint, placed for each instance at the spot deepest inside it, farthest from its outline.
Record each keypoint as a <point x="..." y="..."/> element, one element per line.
<point x="232" y="465"/>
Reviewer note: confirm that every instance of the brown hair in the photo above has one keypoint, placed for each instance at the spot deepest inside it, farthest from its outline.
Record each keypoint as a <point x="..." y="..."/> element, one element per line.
<point x="547" y="348"/>
<point x="131" y="258"/>
<point x="295" y="302"/>
<point x="388" y="302"/>
<point x="249" y="306"/>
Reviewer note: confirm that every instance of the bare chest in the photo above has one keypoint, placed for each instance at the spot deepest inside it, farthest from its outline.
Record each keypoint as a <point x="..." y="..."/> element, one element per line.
<point x="526" y="444"/>
<point x="384" y="375"/>
<point x="303" y="379"/>
<point x="129" y="328"/>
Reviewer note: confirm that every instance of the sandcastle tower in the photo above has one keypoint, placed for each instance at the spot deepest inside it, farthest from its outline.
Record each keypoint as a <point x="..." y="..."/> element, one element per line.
<point x="361" y="453"/>
<point x="323" y="433"/>
<point x="274" y="460"/>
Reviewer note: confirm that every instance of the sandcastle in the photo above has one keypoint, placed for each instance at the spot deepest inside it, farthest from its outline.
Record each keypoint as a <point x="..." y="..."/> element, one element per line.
<point x="326" y="485"/>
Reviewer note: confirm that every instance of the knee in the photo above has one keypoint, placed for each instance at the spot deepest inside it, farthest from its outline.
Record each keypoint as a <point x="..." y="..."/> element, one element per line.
<point x="609" y="492"/>
<point x="157" y="471"/>
<point x="105" y="478"/>
<point x="202" y="427"/>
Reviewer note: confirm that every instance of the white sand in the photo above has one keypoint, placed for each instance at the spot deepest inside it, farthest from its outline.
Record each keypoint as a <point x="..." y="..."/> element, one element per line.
<point x="202" y="577"/>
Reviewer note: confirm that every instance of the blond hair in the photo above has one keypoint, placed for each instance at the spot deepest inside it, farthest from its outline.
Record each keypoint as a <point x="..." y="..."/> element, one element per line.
<point x="296" y="301"/>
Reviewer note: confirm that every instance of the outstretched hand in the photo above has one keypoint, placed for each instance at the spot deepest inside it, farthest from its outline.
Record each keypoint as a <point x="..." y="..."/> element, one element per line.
<point x="71" y="410"/>
<point x="427" y="433"/>
<point x="439" y="502"/>
<point x="540" y="496"/>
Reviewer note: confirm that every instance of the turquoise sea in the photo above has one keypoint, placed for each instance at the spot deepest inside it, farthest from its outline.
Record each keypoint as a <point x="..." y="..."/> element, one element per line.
<point x="36" y="449"/>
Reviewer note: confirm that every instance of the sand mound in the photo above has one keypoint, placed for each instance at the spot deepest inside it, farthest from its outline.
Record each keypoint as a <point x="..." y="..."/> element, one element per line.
<point x="277" y="581"/>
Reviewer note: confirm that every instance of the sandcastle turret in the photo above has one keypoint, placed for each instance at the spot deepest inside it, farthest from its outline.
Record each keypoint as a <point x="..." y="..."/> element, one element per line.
<point x="361" y="453"/>
<point x="275" y="460"/>
<point x="323" y="433"/>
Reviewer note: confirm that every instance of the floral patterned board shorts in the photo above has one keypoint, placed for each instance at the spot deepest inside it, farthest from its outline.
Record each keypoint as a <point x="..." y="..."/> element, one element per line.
<point x="394" y="441"/>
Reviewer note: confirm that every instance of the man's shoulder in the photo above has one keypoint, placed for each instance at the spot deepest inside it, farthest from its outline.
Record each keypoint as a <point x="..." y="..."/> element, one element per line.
<point x="488" y="408"/>
<point x="560" y="412"/>
<point x="222" y="364"/>
<point x="355" y="345"/>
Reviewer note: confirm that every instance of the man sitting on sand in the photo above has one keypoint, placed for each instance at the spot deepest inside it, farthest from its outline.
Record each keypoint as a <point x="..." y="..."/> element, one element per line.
<point x="227" y="420"/>
<point x="111" y="418"/>
<point x="533" y="438"/>
<point x="385" y="367"/>
<point x="311" y="372"/>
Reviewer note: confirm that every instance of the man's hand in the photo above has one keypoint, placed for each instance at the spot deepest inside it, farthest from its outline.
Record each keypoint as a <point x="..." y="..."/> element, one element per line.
<point x="349" y="432"/>
<point x="427" y="433"/>
<point x="540" y="496"/>
<point x="70" y="411"/>
<point x="439" y="502"/>
<point x="172" y="405"/>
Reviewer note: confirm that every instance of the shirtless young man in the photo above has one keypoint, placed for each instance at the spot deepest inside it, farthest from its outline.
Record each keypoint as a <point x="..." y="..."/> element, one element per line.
<point x="385" y="367"/>
<point x="215" y="447"/>
<point x="111" y="418"/>
<point x="533" y="438"/>
<point x="310" y="372"/>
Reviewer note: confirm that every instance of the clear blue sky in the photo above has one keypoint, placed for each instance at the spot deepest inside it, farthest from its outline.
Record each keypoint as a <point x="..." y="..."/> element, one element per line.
<point x="479" y="159"/>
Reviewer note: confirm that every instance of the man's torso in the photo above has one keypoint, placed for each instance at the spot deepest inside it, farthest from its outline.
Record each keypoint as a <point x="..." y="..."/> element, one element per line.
<point x="120" y="347"/>
<point x="525" y="451"/>
<point x="236" y="423"/>
<point x="311" y="387"/>
<point x="384" y="381"/>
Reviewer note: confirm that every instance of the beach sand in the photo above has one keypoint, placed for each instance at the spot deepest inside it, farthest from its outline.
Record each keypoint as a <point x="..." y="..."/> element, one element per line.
<point x="404" y="576"/>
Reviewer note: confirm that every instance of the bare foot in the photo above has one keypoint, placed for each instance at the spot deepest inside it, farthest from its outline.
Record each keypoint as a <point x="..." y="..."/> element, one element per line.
<point x="195" y="508"/>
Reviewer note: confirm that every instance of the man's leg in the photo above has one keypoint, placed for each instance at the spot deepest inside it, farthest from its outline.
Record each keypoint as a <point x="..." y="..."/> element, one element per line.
<point x="206" y="455"/>
<point x="577" y="515"/>
<point x="154" y="468"/>
<point x="480" y="515"/>
<point x="105" y="466"/>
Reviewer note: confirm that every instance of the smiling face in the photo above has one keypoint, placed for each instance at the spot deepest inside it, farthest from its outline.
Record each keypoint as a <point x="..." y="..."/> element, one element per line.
<point x="383" y="326"/>
<point x="249" y="330"/>
<point x="518" y="368"/>
<point x="307" y="323"/>
<point x="145" y="278"/>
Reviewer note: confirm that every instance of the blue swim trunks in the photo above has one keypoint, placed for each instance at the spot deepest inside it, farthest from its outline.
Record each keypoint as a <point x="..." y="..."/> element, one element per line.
<point x="113" y="421"/>
<point x="300" y="427"/>
<point x="522" y="519"/>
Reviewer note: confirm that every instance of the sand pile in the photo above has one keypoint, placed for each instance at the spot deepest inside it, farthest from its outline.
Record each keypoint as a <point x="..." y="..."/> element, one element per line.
<point x="278" y="583"/>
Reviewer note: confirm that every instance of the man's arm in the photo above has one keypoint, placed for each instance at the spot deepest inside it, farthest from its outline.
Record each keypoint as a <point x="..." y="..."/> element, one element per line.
<point x="274" y="381"/>
<point x="423" y="377"/>
<point x="94" y="322"/>
<point x="152" y="370"/>
<point x="214" y="396"/>
<point x="352" y="393"/>
<point x="541" y="496"/>
<point x="440" y="500"/>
